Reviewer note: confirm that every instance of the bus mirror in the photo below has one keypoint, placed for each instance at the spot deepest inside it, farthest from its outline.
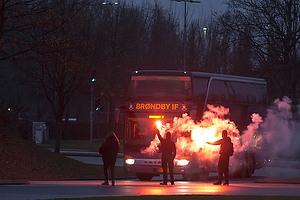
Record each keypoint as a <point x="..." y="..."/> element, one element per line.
<point x="193" y="114"/>
<point x="117" y="115"/>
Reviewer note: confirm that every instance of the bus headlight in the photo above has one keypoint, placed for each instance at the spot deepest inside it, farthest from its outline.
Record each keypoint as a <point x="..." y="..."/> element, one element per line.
<point x="128" y="160"/>
<point x="183" y="161"/>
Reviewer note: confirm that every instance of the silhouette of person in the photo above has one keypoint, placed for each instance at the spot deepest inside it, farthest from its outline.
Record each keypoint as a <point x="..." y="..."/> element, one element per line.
<point x="223" y="163"/>
<point x="109" y="150"/>
<point x="168" y="150"/>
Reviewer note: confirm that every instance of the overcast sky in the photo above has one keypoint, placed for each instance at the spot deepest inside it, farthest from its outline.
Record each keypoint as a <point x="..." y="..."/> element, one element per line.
<point x="196" y="10"/>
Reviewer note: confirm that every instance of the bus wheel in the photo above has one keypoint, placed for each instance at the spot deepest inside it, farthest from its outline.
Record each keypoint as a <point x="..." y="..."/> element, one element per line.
<point x="144" y="177"/>
<point x="203" y="176"/>
<point x="242" y="171"/>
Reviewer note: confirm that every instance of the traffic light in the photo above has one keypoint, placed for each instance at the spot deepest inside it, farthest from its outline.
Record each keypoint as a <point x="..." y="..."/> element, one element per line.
<point x="98" y="106"/>
<point x="93" y="75"/>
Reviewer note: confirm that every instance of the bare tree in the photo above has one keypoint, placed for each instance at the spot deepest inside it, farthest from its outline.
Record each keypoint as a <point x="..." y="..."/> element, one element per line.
<point x="272" y="27"/>
<point x="195" y="46"/>
<point x="57" y="63"/>
<point x="13" y="15"/>
<point x="164" y="47"/>
<point x="121" y="37"/>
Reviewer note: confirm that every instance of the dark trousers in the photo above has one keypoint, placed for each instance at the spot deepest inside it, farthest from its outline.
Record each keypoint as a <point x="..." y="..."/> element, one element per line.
<point x="165" y="164"/>
<point x="223" y="167"/>
<point x="112" y="171"/>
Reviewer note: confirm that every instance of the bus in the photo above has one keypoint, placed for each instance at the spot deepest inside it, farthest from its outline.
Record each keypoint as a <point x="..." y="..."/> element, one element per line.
<point x="164" y="94"/>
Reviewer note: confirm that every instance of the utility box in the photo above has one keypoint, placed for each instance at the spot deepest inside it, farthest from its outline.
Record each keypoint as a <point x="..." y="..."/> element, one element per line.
<point x="40" y="132"/>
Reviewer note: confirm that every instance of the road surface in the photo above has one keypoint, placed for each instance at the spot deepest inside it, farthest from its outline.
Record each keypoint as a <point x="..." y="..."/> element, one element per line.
<point x="93" y="188"/>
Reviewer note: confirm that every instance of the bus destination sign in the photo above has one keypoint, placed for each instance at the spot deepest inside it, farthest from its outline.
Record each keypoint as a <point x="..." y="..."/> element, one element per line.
<point x="147" y="106"/>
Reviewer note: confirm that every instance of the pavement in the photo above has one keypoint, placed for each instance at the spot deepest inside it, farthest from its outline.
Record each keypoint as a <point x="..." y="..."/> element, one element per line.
<point x="275" y="171"/>
<point x="75" y="152"/>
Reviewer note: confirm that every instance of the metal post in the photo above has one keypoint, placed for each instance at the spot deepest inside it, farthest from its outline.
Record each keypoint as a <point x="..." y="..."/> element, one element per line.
<point x="184" y="30"/>
<point x="108" y="109"/>
<point x="184" y="39"/>
<point x="91" y="115"/>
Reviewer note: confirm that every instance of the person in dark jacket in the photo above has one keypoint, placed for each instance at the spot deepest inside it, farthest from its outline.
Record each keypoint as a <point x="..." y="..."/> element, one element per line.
<point x="223" y="164"/>
<point x="109" y="150"/>
<point x="168" y="150"/>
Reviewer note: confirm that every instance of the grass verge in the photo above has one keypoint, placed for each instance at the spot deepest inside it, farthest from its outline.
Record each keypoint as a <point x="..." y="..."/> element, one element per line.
<point x="79" y="144"/>
<point x="20" y="159"/>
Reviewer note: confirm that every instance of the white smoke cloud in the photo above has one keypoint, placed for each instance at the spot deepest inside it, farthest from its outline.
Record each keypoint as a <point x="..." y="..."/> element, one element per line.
<point x="281" y="130"/>
<point x="247" y="138"/>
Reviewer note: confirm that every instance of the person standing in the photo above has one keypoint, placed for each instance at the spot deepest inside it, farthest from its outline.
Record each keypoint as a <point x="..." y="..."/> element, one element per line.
<point x="168" y="149"/>
<point x="109" y="150"/>
<point x="223" y="163"/>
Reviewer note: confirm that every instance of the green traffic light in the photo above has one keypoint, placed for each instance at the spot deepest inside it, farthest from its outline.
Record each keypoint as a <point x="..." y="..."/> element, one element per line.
<point x="93" y="79"/>
<point x="99" y="108"/>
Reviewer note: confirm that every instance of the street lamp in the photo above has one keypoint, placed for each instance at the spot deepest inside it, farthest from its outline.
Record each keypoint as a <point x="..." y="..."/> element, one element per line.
<point x="204" y="30"/>
<point x="110" y="4"/>
<point x="184" y="30"/>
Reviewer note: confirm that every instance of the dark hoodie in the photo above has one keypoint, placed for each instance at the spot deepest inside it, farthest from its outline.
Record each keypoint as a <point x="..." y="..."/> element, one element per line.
<point x="109" y="150"/>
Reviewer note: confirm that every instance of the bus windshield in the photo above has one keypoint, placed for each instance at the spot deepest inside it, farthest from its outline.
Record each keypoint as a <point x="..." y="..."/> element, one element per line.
<point x="141" y="127"/>
<point x="160" y="86"/>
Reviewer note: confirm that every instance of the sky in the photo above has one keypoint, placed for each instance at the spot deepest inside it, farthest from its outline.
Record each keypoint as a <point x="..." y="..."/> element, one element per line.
<point x="201" y="10"/>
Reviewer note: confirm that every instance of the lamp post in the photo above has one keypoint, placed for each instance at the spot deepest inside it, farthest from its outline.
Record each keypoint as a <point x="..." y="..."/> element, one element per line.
<point x="184" y="29"/>
<point x="93" y="80"/>
<point x="110" y="4"/>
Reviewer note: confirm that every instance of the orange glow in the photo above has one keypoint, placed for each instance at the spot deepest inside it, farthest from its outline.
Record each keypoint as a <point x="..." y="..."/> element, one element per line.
<point x="182" y="188"/>
<point x="154" y="191"/>
<point x="158" y="124"/>
<point x="127" y="157"/>
<point x="202" y="135"/>
<point x="203" y="189"/>
<point x="191" y="136"/>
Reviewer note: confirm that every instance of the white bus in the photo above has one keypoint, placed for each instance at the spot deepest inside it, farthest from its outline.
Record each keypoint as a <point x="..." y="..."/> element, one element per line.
<point x="165" y="94"/>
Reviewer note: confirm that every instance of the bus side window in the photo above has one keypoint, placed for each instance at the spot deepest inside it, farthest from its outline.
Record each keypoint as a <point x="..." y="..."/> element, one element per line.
<point x="261" y="95"/>
<point x="219" y="92"/>
<point x="239" y="89"/>
<point x="199" y="87"/>
<point x="252" y="95"/>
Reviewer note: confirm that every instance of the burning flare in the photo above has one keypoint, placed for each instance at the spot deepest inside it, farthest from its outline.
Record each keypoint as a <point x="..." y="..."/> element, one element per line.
<point x="158" y="124"/>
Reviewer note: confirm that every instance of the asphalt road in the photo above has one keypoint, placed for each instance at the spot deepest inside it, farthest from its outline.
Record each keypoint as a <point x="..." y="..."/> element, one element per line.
<point x="273" y="169"/>
<point x="93" y="188"/>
